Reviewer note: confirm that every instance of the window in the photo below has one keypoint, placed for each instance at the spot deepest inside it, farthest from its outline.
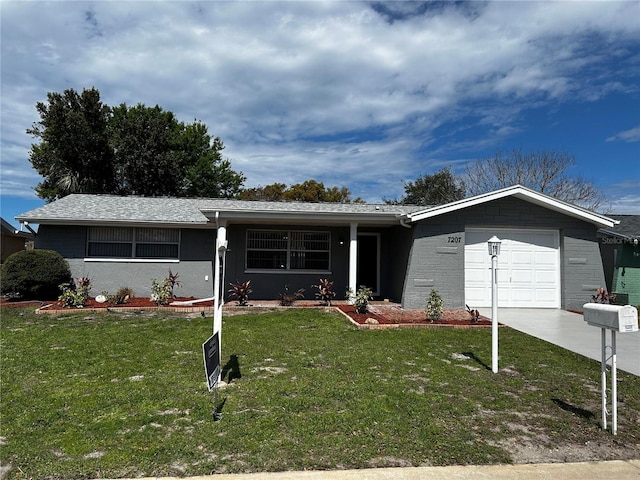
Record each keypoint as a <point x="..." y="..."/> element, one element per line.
<point x="288" y="250"/>
<point x="124" y="242"/>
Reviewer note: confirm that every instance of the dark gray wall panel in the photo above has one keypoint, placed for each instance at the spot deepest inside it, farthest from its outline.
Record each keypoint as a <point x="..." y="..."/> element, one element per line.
<point x="430" y="266"/>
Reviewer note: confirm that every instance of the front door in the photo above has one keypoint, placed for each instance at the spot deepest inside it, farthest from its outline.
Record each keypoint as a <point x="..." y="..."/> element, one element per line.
<point x="368" y="273"/>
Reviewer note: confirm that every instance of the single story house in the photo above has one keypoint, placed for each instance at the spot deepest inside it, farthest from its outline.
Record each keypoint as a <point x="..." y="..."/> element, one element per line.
<point x="13" y="240"/>
<point x="620" y="248"/>
<point x="550" y="256"/>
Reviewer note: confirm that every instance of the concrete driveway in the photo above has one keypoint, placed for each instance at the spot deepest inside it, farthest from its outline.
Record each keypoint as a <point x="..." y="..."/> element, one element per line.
<point x="570" y="331"/>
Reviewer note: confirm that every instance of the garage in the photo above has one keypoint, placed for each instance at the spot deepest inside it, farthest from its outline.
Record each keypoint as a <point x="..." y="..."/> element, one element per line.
<point x="528" y="268"/>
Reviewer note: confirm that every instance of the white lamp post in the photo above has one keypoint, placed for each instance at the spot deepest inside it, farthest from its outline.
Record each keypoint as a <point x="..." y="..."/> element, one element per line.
<point x="494" y="251"/>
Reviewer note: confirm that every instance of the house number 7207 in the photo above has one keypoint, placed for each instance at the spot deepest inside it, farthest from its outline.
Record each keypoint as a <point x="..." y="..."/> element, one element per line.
<point x="454" y="240"/>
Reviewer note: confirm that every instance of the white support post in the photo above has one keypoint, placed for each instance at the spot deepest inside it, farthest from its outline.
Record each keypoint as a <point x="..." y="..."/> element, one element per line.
<point x="353" y="257"/>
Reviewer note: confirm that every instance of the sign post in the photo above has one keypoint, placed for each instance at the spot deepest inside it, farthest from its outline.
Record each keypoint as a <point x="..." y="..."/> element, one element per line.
<point x="211" y="355"/>
<point x="211" y="349"/>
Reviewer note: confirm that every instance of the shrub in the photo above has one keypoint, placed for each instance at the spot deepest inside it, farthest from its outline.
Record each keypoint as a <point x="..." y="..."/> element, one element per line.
<point x="173" y="282"/>
<point x="160" y="292"/>
<point x="241" y="291"/>
<point x="435" y="306"/>
<point x="163" y="291"/>
<point x="287" y="299"/>
<point x="75" y="295"/>
<point x="474" y="313"/>
<point x="121" y="297"/>
<point x="34" y="275"/>
<point x="602" y="296"/>
<point x="325" y="291"/>
<point x="360" y="299"/>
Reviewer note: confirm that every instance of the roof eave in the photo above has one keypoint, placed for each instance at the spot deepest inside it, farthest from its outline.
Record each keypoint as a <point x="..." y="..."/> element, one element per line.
<point x="315" y="218"/>
<point x="111" y="222"/>
<point x="523" y="193"/>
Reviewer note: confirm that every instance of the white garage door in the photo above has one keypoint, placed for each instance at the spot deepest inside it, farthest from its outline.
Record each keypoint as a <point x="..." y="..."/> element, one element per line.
<point x="528" y="268"/>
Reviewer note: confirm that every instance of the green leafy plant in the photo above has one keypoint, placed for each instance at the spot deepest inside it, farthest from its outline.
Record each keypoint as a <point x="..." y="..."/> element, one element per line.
<point x="287" y="299"/>
<point x="34" y="275"/>
<point x="360" y="299"/>
<point x="241" y="291"/>
<point x="325" y="291"/>
<point x="160" y="291"/>
<point x="75" y="295"/>
<point x="435" y="306"/>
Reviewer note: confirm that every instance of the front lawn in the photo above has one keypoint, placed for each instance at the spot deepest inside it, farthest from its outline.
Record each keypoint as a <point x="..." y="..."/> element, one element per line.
<point x="95" y="395"/>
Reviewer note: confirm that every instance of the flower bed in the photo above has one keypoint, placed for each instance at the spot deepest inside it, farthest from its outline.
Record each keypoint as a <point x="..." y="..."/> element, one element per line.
<point x="393" y="316"/>
<point x="380" y="315"/>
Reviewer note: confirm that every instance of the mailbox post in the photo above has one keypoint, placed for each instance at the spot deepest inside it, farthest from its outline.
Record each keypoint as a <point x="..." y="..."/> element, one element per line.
<point x="616" y="318"/>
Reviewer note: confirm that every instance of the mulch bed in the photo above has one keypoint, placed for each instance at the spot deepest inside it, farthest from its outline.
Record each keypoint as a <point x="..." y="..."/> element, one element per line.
<point x="380" y="314"/>
<point x="395" y="315"/>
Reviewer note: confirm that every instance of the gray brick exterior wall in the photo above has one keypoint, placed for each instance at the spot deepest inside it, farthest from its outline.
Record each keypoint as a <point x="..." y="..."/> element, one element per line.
<point x="196" y="254"/>
<point x="430" y="255"/>
<point x="436" y="263"/>
<point x="268" y="285"/>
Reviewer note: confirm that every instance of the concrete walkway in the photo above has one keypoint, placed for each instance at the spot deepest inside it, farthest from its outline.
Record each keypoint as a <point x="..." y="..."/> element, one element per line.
<point x="618" y="470"/>
<point x="569" y="330"/>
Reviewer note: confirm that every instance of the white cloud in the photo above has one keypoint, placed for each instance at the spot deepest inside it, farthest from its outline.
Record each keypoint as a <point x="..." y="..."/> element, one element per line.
<point x="301" y="90"/>
<point x="631" y="135"/>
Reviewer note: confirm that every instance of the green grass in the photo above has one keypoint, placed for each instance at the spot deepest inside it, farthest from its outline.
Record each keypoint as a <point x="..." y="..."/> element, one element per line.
<point x="90" y="395"/>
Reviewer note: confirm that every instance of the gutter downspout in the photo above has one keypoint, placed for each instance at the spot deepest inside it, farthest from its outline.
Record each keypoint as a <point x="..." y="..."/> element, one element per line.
<point x="403" y="222"/>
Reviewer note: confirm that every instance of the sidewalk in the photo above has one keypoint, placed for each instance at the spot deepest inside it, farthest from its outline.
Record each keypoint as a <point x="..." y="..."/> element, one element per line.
<point x="618" y="470"/>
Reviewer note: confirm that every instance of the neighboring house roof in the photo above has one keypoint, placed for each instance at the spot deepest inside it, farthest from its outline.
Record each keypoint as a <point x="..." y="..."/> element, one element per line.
<point x="629" y="227"/>
<point x="10" y="230"/>
<point x="523" y="193"/>
<point x="110" y="209"/>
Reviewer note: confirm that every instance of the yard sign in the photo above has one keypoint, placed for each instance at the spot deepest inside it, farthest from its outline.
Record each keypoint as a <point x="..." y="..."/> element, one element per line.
<point x="211" y="354"/>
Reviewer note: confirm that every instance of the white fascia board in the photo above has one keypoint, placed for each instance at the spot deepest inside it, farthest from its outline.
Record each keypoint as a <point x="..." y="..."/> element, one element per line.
<point x="522" y="193"/>
<point x="310" y="218"/>
<point x="115" y="223"/>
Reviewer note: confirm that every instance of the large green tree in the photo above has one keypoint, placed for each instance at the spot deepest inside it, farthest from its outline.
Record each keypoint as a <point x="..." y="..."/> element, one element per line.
<point x="307" y="191"/>
<point x="87" y="147"/>
<point x="545" y="171"/>
<point x="434" y="189"/>
<point x="74" y="155"/>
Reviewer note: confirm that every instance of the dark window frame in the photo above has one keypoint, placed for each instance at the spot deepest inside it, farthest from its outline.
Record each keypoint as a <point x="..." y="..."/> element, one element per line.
<point x="288" y="250"/>
<point x="112" y="242"/>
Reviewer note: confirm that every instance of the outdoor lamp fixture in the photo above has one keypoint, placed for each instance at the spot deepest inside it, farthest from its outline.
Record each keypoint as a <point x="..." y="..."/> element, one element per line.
<point x="494" y="251"/>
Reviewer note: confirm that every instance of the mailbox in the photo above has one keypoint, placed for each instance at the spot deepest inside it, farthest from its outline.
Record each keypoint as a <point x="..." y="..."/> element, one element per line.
<point x="619" y="318"/>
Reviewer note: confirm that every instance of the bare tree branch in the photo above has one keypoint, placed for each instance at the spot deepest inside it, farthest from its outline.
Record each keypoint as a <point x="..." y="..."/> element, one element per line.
<point x="543" y="171"/>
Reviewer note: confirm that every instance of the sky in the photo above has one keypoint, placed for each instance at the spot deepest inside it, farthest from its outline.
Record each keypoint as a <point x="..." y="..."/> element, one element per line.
<point x="365" y="95"/>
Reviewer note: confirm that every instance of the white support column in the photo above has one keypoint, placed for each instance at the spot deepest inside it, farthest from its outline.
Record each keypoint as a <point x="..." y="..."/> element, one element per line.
<point x="353" y="257"/>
